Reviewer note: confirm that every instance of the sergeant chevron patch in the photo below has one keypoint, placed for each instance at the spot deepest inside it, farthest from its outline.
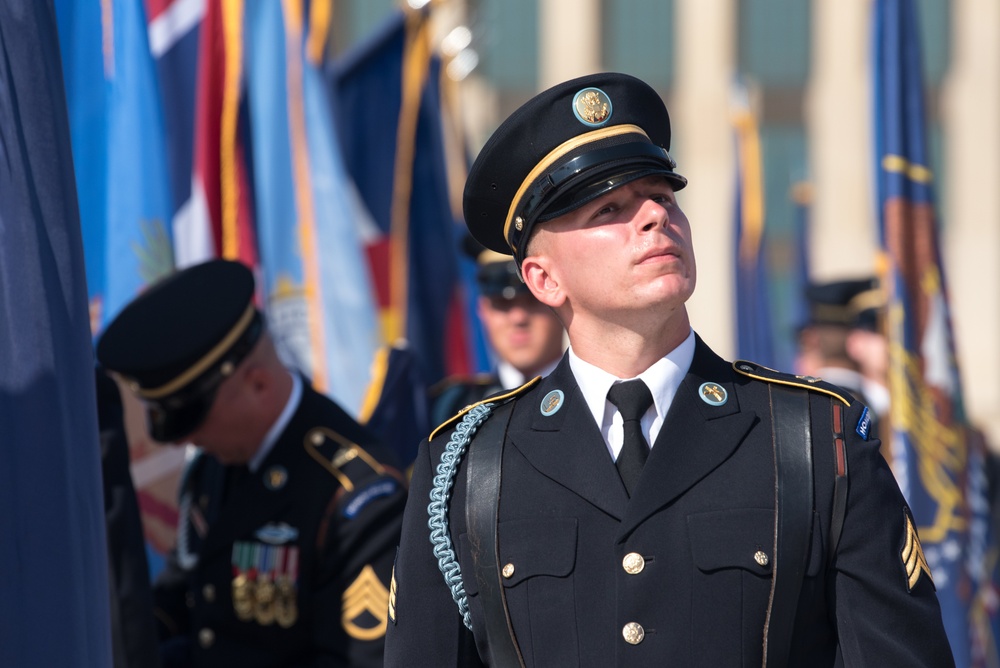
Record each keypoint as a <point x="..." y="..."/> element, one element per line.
<point x="366" y="606"/>
<point x="912" y="555"/>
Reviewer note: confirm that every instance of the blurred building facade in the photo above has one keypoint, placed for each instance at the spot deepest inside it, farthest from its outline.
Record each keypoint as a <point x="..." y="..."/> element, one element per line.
<point x="807" y="66"/>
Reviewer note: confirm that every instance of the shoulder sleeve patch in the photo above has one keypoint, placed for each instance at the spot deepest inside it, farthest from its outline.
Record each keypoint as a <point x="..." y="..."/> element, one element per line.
<point x="365" y="495"/>
<point x="496" y="399"/>
<point x="348" y="462"/>
<point x="758" y="372"/>
<point x="864" y="427"/>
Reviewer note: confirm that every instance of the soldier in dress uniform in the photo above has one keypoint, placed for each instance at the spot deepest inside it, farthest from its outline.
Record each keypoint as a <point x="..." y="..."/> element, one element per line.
<point x="289" y="514"/>
<point x="823" y="337"/>
<point x="763" y="526"/>
<point x="867" y="345"/>
<point x="524" y="334"/>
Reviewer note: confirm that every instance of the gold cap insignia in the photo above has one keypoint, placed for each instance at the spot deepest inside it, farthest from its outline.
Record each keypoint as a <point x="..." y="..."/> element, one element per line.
<point x="366" y="606"/>
<point x="592" y="107"/>
<point x="912" y="555"/>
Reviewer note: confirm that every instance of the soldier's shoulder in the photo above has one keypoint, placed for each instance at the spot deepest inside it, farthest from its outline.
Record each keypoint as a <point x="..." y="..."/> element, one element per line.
<point x="343" y="459"/>
<point x="454" y="393"/>
<point x="759" y="372"/>
<point x="477" y="409"/>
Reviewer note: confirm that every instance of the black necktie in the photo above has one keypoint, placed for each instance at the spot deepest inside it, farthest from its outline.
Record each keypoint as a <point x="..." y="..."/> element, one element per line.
<point x="632" y="399"/>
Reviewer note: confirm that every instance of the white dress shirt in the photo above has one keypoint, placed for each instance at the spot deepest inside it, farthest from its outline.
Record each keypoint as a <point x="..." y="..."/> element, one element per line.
<point x="662" y="379"/>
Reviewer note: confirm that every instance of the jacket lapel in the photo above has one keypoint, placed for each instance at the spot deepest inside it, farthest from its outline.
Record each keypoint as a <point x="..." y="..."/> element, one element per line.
<point x="696" y="438"/>
<point x="566" y="445"/>
<point x="249" y="506"/>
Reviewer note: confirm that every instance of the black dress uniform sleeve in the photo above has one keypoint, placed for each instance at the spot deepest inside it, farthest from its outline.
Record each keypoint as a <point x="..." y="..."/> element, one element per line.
<point x="357" y="540"/>
<point x="886" y="610"/>
<point x="425" y="627"/>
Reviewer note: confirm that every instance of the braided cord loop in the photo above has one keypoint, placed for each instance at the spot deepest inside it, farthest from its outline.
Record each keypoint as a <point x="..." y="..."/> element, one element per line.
<point x="440" y="496"/>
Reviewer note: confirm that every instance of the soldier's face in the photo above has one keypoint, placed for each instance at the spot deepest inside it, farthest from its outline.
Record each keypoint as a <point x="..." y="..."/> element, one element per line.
<point x="524" y="332"/>
<point x="228" y="432"/>
<point x="626" y="252"/>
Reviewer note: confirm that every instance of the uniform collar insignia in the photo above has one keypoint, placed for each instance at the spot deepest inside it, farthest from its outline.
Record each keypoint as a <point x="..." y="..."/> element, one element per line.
<point x="552" y="402"/>
<point x="713" y="394"/>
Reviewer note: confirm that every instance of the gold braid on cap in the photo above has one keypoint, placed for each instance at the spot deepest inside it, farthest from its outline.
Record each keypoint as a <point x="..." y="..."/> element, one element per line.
<point x="557" y="153"/>
<point x="199" y="367"/>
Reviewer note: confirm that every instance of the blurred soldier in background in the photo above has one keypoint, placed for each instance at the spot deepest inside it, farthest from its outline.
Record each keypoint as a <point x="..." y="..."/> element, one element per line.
<point x="823" y="338"/>
<point x="525" y="335"/>
<point x="868" y="347"/>
<point x="289" y="514"/>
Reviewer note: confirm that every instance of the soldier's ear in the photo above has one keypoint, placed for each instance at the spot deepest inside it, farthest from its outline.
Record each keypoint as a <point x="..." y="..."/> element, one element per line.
<point x="543" y="281"/>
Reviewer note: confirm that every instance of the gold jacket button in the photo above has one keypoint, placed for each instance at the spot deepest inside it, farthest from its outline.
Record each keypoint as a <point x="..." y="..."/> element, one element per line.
<point x="633" y="563"/>
<point x="206" y="638"/>
<point x="760" y="558"/>
<point x="208" y="593"/>
<point x="633" y="633"/>
<point x="508" y="571"/>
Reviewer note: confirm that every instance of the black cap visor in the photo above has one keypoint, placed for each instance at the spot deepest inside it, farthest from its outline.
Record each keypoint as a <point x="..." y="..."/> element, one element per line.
<point x="586" y="177"/>
<point x="174" y="424"/>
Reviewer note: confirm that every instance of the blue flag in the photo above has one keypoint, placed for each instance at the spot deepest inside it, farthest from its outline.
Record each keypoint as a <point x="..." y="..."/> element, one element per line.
<point x="755" y="339"/>
<point x="319" y="300"/>
<point x="388" y="95"/>
<point x="937" y="464"/>
<point x="396" y="409"/>
<point x="117" y="123"/>
<point x="56" y="597"/>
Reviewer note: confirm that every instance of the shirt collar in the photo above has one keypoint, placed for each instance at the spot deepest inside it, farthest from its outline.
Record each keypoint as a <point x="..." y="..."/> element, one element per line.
<point x="279" y="425"/>
<point x="663" y="378"/>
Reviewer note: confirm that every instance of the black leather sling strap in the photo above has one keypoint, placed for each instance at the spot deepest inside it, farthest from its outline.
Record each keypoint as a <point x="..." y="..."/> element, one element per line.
<point x="793" y="498"/>
<point x="484" y="462"/>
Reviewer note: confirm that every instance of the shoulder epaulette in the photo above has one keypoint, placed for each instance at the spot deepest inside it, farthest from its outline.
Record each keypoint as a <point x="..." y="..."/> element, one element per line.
<point x="338" y="455"/>
<point x="758" y="372"/>
<point x="497" y="398"/>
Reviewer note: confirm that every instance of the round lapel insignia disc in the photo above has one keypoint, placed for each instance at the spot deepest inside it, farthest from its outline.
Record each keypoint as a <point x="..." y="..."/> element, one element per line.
<point x="592" y="107"/>
<point x="713" y="394"/>
<point x="275" y="478"/>
<point x="552" y="402"/>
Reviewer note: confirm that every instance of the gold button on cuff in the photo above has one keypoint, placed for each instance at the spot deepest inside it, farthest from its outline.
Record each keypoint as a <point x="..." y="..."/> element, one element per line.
<point x="208" y="593"/>
<point x="206" y="638"/>
<point x="760" y="558"/>
<point x="633" y="633"/>
<point x="633" y="563"/>
<point x="508" y="571"/>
